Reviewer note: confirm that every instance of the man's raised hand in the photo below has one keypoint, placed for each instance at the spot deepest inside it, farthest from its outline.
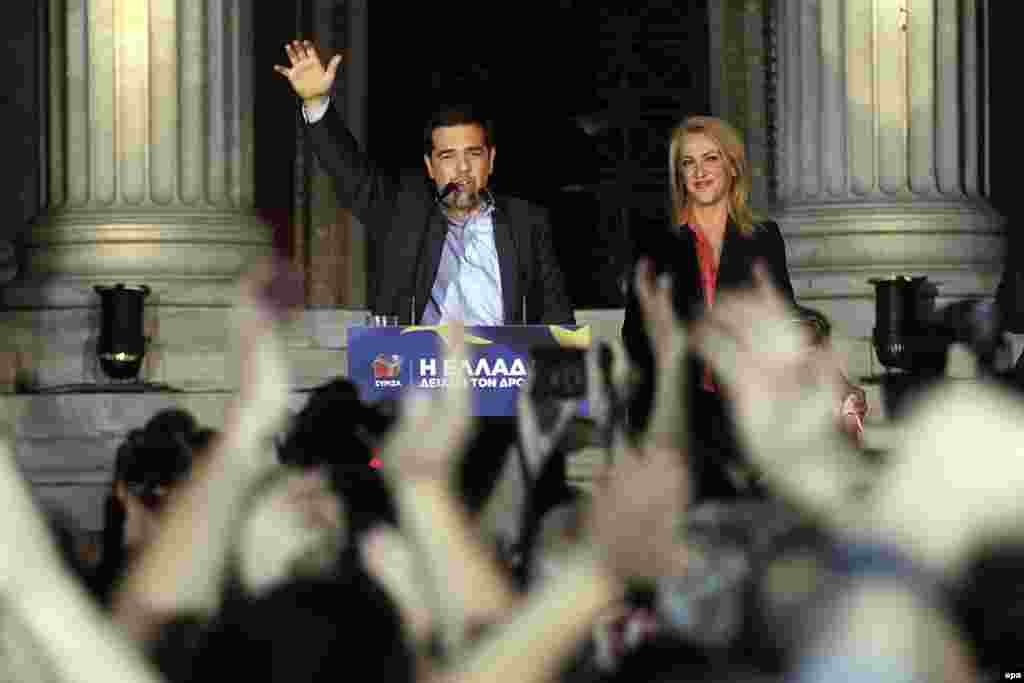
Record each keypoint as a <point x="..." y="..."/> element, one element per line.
<point x="310" y="80"/>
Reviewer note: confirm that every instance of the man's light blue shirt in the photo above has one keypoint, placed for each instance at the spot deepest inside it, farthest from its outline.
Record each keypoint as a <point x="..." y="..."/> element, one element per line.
<point x="468" y="283"/>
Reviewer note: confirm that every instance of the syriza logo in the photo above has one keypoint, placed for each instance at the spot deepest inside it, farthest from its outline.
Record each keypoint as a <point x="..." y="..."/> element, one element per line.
<point x="386" y="370"/>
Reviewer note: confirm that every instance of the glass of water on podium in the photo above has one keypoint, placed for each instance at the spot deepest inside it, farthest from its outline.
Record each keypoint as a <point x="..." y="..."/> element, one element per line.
<point x="379" y="320"/>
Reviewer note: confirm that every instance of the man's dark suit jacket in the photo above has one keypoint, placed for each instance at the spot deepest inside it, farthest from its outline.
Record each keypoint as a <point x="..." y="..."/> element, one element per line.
<point x="407" y="230"/>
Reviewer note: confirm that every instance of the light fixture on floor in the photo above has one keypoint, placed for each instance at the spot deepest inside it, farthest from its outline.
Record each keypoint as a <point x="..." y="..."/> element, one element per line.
<point x="122" y="344"/>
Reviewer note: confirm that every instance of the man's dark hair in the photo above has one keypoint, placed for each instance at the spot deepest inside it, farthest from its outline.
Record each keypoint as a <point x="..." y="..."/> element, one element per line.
<point x="456" y="115"/>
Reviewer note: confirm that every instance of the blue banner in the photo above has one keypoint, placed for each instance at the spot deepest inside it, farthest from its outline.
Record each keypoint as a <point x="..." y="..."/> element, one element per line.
<point x="385" y="361"/>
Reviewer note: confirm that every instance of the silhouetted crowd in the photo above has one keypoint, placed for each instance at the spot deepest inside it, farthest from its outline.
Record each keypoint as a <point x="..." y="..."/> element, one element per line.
<point x="414" y="542"/>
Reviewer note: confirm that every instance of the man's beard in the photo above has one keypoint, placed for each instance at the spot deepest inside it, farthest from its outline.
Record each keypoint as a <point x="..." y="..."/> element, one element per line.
<point x="463" y="201"/>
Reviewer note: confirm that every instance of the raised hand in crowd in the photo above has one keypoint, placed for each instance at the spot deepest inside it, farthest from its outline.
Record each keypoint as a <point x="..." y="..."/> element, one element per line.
<point x="433" y="428"/>
<point x="668" y="424"/>
<point x="182" y="570"/>
<point x="928" y="494"/>
<point x="884" y="617"/>
<point x="391" y="559"/>
<point x="464" y="585"/>
<point x="608" y="370"/>
<point x="51" y="629"/>
<point x="783" y="394"/>
<point x="647" y="485"/>
<point x="631" y="534"/>
<point x="309" y="78"/>
<point x="952" y="484"/>
<point x="645" y="488"/>
<point x="269" y="298"/>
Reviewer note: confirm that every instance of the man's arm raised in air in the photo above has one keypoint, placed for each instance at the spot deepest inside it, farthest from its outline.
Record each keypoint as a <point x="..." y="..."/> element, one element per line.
<point x="359" y="183"/>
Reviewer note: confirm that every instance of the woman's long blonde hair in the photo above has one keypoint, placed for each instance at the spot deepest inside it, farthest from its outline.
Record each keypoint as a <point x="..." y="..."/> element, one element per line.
<point x="730" y="142"/>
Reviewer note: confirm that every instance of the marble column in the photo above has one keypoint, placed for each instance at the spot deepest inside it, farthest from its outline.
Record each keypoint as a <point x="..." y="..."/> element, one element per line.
<point x="149" y="175"/>
<point x="880" y="149"/>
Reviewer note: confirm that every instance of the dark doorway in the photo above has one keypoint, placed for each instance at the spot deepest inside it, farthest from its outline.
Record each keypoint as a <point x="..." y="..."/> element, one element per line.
<point x="24" y="114"/>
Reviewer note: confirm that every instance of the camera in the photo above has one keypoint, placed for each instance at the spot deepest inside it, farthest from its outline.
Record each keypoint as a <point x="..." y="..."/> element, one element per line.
<point x="912" y="336"/>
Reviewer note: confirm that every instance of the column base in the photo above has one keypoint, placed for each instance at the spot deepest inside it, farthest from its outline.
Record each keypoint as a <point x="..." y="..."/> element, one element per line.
<point x="835" y="249"/>
<point x="185" y="257"/>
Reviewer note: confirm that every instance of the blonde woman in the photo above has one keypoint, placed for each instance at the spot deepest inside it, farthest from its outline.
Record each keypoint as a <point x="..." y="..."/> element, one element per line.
<point x="713" y="243"/>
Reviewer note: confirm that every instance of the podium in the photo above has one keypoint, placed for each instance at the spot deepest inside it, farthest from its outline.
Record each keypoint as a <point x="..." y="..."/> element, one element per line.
<point x="384" y="362"/>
